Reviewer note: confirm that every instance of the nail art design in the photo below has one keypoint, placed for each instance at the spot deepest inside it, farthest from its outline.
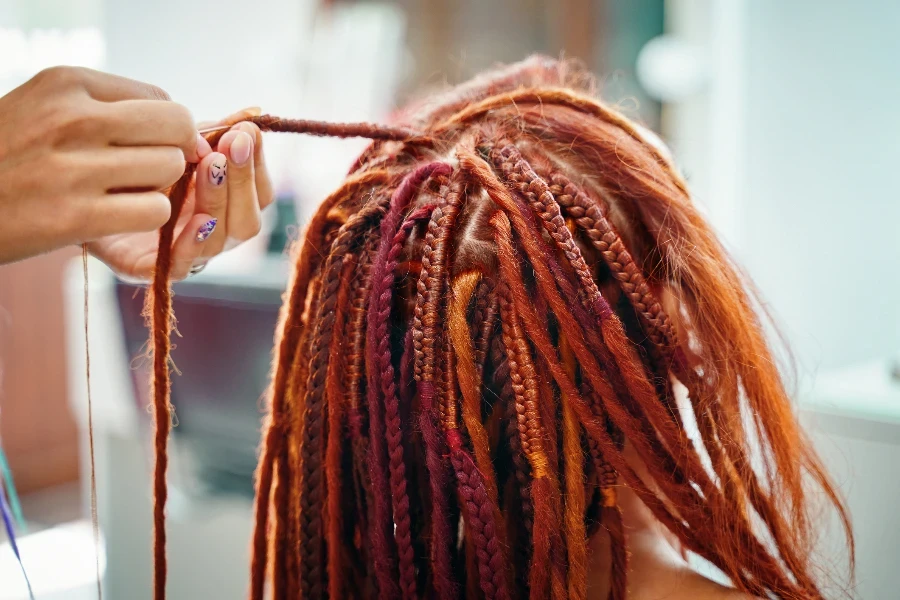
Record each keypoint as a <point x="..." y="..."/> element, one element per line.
<point x="217" y="170"/>
<point x="206" y="230"/>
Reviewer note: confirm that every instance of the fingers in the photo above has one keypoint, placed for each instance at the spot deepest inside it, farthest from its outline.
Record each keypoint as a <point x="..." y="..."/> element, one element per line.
<point x="212" y="192"/>
<point x="119" y="111"/>
<point x="151" y="123"/>
<point x="114" y="214"/>
<point x="136" y="168"/>
<point x="112" y="88"/>
<point x="189" y="246"/>
<point x="243" y="203"/>
<point x="264" y="188"/>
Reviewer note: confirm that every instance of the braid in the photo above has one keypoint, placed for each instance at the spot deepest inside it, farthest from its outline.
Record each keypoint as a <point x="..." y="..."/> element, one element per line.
<point x="480" y="520"/>
<point x="311" y="446"/>
<point x="590" y="215"/>
<point x="378" y="347"/>
<point x="576" y="536"/>
<point x="521" y="466"/>
<point x="334" y="399"/>
<point x="487" y="306"/>
<point x="463" y="288"/>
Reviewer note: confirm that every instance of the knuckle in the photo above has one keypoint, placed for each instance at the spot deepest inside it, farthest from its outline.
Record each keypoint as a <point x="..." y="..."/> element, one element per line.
<point x="77" y="121"/>
<point x="60" y="76"/>
<point x="154" y="92"/>
<point x="248" y="229"/>
<point x="171" y="164"/>
<point x="185" y="121"/>
<point x="158" y="211"/>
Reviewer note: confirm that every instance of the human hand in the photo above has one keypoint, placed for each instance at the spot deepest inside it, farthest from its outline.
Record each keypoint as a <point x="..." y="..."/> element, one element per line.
<point x="222" y="209"/>
<point x="83" y="156"/>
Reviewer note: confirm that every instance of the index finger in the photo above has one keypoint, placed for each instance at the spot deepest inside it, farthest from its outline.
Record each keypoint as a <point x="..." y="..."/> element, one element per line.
<point x="154" y="123"/>
<point x="113" y="88"/>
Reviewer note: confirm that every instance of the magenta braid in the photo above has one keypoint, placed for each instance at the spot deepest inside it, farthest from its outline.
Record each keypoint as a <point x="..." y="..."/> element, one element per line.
<point x="386" y="426"/>
<point x="479" y="519"/>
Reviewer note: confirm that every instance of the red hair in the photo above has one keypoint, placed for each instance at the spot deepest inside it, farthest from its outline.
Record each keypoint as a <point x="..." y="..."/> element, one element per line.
<point x="475" y="326"/>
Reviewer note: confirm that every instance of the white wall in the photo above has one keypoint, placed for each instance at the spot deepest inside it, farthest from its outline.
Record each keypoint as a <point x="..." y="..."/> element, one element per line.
<point x="821" y="213"/>
<point x="793" y="146"/>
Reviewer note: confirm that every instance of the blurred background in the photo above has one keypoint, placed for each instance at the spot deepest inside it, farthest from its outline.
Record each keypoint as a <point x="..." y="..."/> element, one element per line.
<point x="782" y="116"/>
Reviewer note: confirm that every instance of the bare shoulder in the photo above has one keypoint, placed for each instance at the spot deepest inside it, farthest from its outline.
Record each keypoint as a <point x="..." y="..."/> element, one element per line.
<point x="685" y="584"/>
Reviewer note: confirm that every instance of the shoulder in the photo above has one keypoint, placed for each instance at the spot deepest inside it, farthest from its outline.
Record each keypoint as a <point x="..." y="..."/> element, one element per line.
<point x="685" y="584"/>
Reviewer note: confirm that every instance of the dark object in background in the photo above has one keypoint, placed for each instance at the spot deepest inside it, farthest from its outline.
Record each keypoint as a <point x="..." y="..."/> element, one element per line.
<point x="285" y="220"/>
<point x="227" y="324"/>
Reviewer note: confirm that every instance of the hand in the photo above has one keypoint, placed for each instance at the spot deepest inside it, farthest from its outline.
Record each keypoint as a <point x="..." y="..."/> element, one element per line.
<point x="223" y="209"/>
<point x="83" y="155"/>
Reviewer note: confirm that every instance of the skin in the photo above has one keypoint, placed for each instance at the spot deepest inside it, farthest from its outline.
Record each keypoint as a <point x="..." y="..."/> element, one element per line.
<point x="658" y="568"/>
<point x="85" y="157"/>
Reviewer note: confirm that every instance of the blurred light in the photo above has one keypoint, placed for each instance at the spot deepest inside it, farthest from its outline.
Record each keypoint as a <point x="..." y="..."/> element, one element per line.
<point x="671" y="69"/>
<point x="57" y="560"/>
<point x="27" y="52"/>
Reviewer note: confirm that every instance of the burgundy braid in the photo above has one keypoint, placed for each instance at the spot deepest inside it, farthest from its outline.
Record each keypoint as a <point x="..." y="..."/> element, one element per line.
<point x="479" y="519"/>
<point x="378" y="348"/>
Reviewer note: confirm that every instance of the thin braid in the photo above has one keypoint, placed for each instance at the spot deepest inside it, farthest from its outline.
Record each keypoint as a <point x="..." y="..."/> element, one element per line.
<point x="462" y="289"/>
<point x="378" y="344"/>
<point x="355" y="386"/>
<point x="311" y="446"/>
<point x="285" y="530"/>
<point x="576" y="536"/>
<point x="487" y="307"/>
<point x="434" y="263"/>
<point x="480" y="520"/>
<point x="336" y="408"/>
<point x="522" y="469"/>
<point x="339" y="130"/>
<point x="528" y="418"/>
<point x="425" y="370"/>
<point x="590" y="215"/>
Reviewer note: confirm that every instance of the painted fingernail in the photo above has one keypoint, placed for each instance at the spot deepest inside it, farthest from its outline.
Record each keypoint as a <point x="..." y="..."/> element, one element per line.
<point x="206" y="230"/>
<point x="218" y="169"/>
<point x="241" y="148"/>
<point x="203" y="147"/>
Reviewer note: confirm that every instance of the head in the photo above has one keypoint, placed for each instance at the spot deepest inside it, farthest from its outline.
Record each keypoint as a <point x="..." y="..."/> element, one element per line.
<point x="494" y="323"/>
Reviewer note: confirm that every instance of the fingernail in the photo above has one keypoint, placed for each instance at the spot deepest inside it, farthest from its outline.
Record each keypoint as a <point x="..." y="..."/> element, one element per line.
<point x="203" y="147"/>
<point x="218" y="169"/>
<point x="241" y="148"/>
<point x="206" y="230"/>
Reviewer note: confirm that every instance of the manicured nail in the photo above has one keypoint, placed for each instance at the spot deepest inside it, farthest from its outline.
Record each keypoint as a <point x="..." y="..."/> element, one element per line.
<point x="203" y="147"/>
<point x="218" y="169"/>
<point x="206" y="230"/>
<point x="241" y="148"/>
